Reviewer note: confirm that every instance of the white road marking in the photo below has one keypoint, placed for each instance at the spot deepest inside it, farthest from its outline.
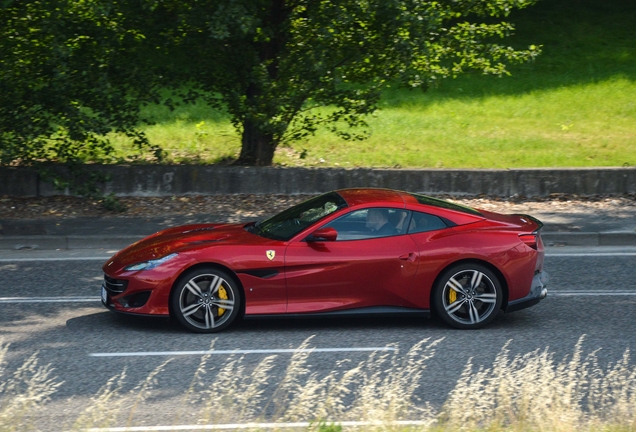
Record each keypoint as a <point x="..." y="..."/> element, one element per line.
<point x="71" y="299"/>
<point x="102" y="258"/>
<point x="239" y="351"/>
<point x="240" y="426"/>
<point x="590" y="293"/>
<point x="590" y="254"/>
<point x="90" y="299"/>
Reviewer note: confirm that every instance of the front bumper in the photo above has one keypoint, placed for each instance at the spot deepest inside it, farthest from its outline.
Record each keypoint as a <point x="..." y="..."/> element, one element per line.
<point x="538" y="292"/>
<point x="134" y="295"/>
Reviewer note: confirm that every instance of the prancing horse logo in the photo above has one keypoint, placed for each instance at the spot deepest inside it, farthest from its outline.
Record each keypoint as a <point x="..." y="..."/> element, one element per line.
<point x="270" y="254"/>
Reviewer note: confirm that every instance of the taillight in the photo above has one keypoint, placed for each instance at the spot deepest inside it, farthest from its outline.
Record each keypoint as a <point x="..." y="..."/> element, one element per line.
<point x="530" y="239"/>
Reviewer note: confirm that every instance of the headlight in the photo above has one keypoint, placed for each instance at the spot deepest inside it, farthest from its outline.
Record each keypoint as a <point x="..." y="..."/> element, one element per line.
<point x="148" y="265"/>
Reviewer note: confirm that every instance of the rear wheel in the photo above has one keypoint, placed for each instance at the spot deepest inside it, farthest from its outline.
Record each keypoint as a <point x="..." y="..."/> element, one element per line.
<point x="467" y="296"/>
<point x="206" y="300"/>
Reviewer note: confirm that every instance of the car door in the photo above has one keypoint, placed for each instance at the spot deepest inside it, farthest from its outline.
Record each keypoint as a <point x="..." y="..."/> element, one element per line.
<point x="358" y="269"/>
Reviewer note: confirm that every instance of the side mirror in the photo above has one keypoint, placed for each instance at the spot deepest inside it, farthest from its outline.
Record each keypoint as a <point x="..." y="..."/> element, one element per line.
<point x="323" y="234"/>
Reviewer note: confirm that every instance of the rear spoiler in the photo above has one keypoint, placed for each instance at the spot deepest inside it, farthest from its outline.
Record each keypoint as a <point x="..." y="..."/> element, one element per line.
<point x="531" y="240"/>
<point x="535" y="220"/>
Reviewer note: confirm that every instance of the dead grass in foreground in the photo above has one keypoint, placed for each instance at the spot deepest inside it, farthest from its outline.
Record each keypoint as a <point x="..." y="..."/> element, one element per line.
<point x="531" y="392"/>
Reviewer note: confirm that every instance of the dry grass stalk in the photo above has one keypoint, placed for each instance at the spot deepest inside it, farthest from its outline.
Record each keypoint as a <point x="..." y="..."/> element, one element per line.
<point x="110" y="403"/>
<point x="191" y="396"/>
<point x="531" y="392"/>
<point x="105" y="406"/>
<point x="23" y="391"/>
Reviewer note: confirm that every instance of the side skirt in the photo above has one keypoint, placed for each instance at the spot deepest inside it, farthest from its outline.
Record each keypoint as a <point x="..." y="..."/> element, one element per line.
<point x="359" y="312"/>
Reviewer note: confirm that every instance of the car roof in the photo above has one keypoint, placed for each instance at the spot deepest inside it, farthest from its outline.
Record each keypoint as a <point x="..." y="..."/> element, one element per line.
<point x="365" y="196"/>
<point x="392" y="198"/>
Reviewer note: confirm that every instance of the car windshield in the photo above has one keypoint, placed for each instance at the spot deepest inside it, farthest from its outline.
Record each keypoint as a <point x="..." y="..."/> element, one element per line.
<point x="290" y="222"/>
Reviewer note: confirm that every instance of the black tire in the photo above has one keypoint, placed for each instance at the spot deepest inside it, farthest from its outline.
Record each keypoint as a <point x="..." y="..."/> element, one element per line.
<point x="467" y="296"/>
<point x="206" y="300"/>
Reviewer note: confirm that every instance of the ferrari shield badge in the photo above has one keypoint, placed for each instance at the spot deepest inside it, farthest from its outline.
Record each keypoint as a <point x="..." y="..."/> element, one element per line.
<point x="270" y="254"/>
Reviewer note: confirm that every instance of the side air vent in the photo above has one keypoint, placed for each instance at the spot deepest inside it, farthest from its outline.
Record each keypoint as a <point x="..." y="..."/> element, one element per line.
<point x="262" y="273"/>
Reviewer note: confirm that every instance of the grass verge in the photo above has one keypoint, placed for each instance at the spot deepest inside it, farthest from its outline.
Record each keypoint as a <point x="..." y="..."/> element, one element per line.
<point x="574" y="106"/>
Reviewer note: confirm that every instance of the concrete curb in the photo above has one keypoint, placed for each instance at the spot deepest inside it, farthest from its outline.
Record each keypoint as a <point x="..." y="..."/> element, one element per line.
<point x="66" y="242"/>
<point x="73" y="242"/>
<point x="589" y="239"/>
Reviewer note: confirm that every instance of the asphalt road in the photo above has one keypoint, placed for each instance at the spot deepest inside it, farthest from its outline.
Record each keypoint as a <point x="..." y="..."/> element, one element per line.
<point x="49" y="303"/>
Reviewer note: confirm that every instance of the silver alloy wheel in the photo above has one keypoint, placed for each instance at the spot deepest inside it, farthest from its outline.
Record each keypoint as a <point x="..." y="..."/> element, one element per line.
<point x="206" y="301"/>
<point x="469" y="297"/>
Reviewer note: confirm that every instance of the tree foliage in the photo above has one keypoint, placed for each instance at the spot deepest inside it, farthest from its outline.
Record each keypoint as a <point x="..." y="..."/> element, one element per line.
<point x="73" y="70"/>
<point x="270" y="62"/>
<point x="67" y="78"/>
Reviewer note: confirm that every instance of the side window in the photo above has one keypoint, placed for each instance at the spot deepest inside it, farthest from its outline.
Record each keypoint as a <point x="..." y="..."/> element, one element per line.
<point x="370" y="223"/>
<point x="421" y="222"/>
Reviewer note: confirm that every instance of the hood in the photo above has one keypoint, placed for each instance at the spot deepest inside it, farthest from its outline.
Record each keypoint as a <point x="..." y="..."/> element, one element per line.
<point x="176" y="239"/>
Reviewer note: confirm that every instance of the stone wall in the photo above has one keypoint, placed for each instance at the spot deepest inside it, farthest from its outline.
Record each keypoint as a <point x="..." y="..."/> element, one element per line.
<point x="158" y="180"/>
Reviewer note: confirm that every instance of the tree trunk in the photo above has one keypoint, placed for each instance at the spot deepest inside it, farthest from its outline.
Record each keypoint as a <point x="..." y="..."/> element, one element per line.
<point x="257" y="148"/>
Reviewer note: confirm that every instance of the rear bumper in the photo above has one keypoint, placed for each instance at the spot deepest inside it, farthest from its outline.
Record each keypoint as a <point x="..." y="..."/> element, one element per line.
<point x="538" y="292"/>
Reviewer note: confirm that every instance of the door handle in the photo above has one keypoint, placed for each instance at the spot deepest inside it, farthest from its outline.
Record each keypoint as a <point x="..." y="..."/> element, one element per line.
<point x="410" y="257"/>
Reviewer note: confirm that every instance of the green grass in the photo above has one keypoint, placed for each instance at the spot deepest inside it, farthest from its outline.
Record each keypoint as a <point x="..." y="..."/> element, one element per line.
<point x="574" y="106"/>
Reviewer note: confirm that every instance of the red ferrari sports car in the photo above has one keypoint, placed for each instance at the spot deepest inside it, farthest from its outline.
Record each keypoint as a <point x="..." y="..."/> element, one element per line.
<point x="351" y="251"/>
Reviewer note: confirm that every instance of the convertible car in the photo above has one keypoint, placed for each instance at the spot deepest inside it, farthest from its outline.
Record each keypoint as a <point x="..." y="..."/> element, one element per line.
<point x="351" y="251"/>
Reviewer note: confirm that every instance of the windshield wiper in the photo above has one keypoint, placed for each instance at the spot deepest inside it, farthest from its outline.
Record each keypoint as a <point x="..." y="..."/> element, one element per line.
<point x="254" y="228"/>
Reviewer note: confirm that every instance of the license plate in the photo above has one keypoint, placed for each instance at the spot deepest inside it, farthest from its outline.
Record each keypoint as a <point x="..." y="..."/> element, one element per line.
<point x="104" y="295"/>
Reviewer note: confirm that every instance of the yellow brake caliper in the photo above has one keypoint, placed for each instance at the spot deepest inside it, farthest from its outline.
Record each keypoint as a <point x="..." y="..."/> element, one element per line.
<point x="223" y="296"/>
<point x="452" y="296"/>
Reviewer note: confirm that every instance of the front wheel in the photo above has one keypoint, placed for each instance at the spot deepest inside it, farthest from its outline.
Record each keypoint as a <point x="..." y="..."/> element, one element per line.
<point x="467" y="296"/>
<point x="206" y="300"/>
